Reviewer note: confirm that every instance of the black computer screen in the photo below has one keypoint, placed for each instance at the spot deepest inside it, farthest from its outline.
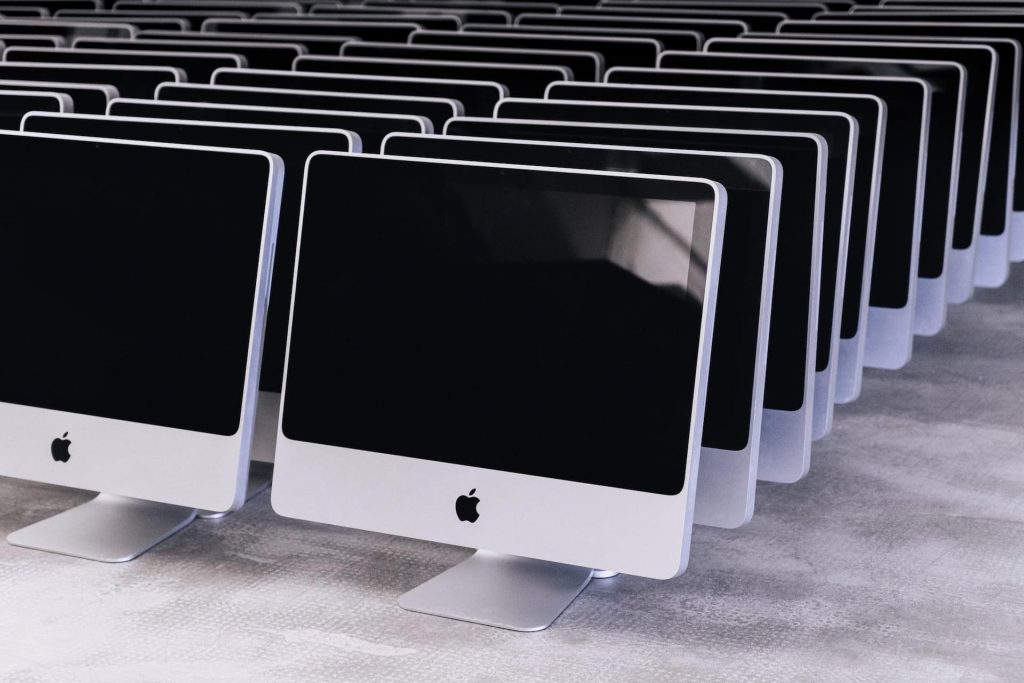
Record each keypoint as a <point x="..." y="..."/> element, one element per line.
<point x="865" y="111"/>
<point x="615" y="51"/>
<point x="890" y="279"/>
<point x="979" y="63"/>
<point x="525" y="80"/>
<point x="787" y="339"/>
<point x="999" y="36"/>
<point x="897" y="192"/>
<point x="477" y="97"/>
<point x="435" y="109"/>
<point x="130" y="81"/>
<point x="836" y="130"/>
<point x="128" y="276"/>
<point x="197" y="67"/>
<point x="87" y="99"/>
<point x="371" y="129"/>
<point x="292" y="144"/>
<point x="14" y="105"/>
<point x="582" y="65"/>
<point x="732" y="373"/>
<point x="523" y="320"/>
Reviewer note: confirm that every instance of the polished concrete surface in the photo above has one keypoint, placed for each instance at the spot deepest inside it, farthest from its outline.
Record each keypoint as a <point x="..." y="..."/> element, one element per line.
<point x="899" y="557"/>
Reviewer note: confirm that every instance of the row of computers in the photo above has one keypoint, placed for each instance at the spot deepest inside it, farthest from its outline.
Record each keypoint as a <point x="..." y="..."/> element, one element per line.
<point x="476" y="274"/>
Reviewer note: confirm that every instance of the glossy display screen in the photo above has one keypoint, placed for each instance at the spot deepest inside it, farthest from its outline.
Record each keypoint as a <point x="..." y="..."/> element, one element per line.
<point x="523" y="320"/>
<point x="836" y="130"/>
<point x="293" y="145"/>
<point x="129" y="277"/>
<point x="788" y="331"/>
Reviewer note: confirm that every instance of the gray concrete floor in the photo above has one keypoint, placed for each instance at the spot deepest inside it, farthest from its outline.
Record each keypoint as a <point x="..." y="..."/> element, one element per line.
<point x="899" y="557"/>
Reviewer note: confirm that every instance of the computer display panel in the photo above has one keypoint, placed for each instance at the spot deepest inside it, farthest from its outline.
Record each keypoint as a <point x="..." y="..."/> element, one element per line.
<point x="896" y="263"/>
<point x="902" y="174"/>
<point x="793" y="10"/>
<point x="371" y="128"/>
<point x="257" y="55"/>
<point x="14" y="104"/>
<point x="514" y="271"/>
<point x="709" y="28"/>
<point x="198" y="66"/>
<point x="735" y="393"/>
<point x="994" y="34"/>
<point x="68" y="30"/>
<point x="435" y="109"/>
<point x="130" y="81"/>
<point x="152" y="408"/>
<point x="293" y="145"/>
<point x="668" y="39"/>
<point x="150" y="19"/>
<point x="839" y="130"/>
<point x="155" y="22"/>
<point x="990" y="239"/>
<point x="490" y="16"/>
<point x="789" y="384"/>
<point x="614" y="51"/>
<point x="51" y="6"/>
<point x="513" y="8"/>
<point x="426" y="20"/>
<point x="755" y="19"/>
<point x="29" y="40"/>
<point x="85" y="98"/>
<point x="220" y="5"/>
<point x="476" y="97"/>
<point x="364" y="30"/>
<point x="584" y="66"/>
<point x="313" y="44"/>
<point x="526" y="80"/>
<point x="850" y="313"/>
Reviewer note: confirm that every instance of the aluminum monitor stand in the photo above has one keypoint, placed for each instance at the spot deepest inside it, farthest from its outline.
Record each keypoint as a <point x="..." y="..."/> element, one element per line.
<point x="107" y="528"/>
<point x="506" y="591"/>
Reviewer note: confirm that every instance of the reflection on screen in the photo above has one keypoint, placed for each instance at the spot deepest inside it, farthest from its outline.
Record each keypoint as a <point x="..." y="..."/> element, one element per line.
<point x="528" y="321"/>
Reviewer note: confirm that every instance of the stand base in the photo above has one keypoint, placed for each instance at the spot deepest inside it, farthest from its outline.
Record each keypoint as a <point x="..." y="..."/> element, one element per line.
<point x="506" y="591"/>
<point x="107" y="528"/>
<point x="260" y="476"/>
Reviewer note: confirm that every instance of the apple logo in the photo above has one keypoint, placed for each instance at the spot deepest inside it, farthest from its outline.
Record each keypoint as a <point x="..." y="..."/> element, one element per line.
<point x="60" y="448"/>
<point x="465" y="508"/>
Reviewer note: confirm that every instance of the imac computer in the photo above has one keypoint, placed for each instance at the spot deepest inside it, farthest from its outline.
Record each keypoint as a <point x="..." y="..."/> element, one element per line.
<point x="988" y="252"/>
<point x="14" y="104"/>
<point x="672" y="39"/>
<point x="896" y="265"/>
<point x="1005" y="38"/>
<point x="896" y="192"/>
<point x="371" y="128"/>
<point x="739" y="347"/>
<point x="851" y="308"/>
<point x="134" y="311"/>
<point x="785" y="439"/>
<point x="437" y="110"/>
<point x="476" y="97"/>
<point x="840" y="131"/>
<point x="293" y="145"/>
<point x="130" y="81"/>
<point x="314" y="45"/>
<point x="614" y="51"/>
<point x="581" y="65"/>
<point x="257" y="55"/>
<point x="85" y="98"/>
<point x="198" y="66"/>
<point x="363" y="30"/>
<point x="522" y="80"/>
<point x="523" y="353"/>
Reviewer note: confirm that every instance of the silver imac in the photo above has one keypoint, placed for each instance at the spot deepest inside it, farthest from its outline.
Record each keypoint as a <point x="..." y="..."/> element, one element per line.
<point x="135" y="309"/>
<point x="509" y="358"/>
